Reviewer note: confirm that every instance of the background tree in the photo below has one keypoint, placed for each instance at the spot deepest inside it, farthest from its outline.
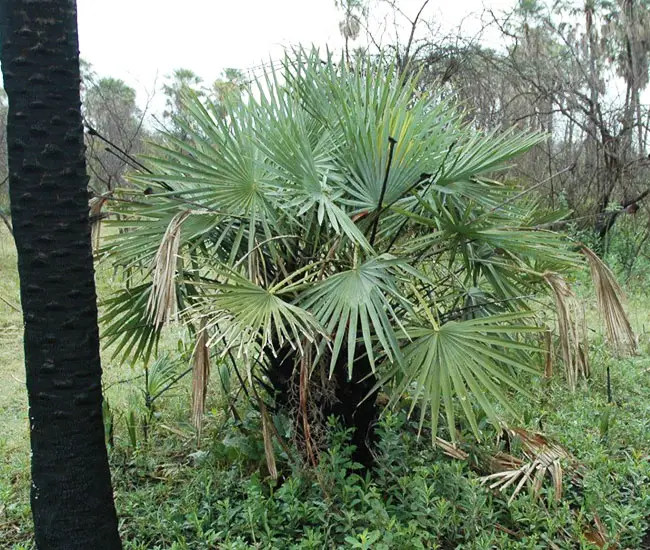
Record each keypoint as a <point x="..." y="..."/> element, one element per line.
<point x="562" y="59"/>
<point x="353" y="12"/>
<point x="229" y="87"/>
<point x="111" y="113"/>
<point x="575" y="71"/>
<point x="72" y="500"/>
<point x="176" y="85"/>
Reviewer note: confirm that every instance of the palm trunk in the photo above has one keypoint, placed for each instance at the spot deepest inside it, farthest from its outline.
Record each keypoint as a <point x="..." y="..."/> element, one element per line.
<point x="339" y="396"/>
<point x="72" y="499"/>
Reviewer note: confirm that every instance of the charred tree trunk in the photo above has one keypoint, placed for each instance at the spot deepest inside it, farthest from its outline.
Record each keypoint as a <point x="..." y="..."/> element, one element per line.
<point x="72" y="499"/>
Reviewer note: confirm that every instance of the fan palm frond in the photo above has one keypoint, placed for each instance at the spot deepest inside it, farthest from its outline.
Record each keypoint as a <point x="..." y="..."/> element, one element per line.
<point x="162" y="300"/>
<point x="461" y="359"/>
<point x="572" y="329"/>
<point x="358" y="305"/>
<point x="200" y="375"/>
<point x="246" y="318"/>
<point x="127" y="324"/>
<point x="543" y="458"/>
<point x="610" y="298"/>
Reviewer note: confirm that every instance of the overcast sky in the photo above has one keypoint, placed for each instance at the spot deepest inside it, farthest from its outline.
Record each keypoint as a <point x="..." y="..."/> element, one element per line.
<point x="140" y="41"/>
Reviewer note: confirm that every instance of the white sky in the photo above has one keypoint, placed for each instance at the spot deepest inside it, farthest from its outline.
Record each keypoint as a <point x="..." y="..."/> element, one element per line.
<point x="141" y="41"/>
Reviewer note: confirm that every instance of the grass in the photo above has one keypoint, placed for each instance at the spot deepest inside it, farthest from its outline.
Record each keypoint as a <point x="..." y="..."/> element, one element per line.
<point x="171" y="495"/>
<point x="14" y="435"/>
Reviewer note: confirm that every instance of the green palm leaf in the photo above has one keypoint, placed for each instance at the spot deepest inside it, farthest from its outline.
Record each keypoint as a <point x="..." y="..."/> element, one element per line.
<point x="358" y="305"/>
<point x="461" y="361"/>
<point x="481" y="154"/>
<point x="128" y="325"/>
<point x="248" y="318"/>
<point x="364" y="109"/>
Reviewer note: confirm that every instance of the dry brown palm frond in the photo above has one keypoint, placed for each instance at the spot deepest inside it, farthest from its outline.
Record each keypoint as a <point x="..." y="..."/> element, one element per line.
<point x="450" y="449"/>
<point x="162" y="301"/>
<point x="572" y="329"/>
<point x="200" y="375"/>
<point x="542" y="459"/>
<point x="96" y="204"/>
<point x="504" y="461"/>
<point x="548" y="348"/>
<point x="267" y="434"/>
<point x="610" y="297"/>
<point x="597" y="535"/>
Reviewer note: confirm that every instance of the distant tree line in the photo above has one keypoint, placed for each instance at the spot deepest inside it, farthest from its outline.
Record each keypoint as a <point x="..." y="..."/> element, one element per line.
<point x="575" y="70"/>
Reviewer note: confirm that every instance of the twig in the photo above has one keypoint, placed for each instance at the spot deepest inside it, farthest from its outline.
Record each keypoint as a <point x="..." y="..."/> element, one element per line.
<point x="529" y="189"/>
<point x="458" y="312"/>
<point x="122" y="159"/>
<point x="123" y="381"/>
<point x="432" y="179"/>
<point x="407" y="50"/>
<point x="6" y="221"/>
<point x="424" y="177"/>
<point x="12" y="306"/>
<point x="93" y="132"/>
<point x="169" y="385"/>
<point x="17" y="379"/>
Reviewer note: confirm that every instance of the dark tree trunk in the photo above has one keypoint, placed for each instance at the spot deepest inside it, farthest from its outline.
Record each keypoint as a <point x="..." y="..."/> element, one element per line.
<point x="606" y="220"/>
<point x="353" y="410"/>
<point x="339" y="396"/>
<point x="72" y="498"/>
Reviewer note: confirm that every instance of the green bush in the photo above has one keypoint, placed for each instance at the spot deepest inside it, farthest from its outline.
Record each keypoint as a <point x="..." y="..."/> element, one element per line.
<point x="416" y="497"/>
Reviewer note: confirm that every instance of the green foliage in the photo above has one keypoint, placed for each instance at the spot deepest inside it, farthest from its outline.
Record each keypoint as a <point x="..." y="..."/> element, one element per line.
<point x="241" y="511"/>
<point x="627" y="248"/>
<point x="228" y="88"/>
<point x="461" y="359"/>
<point x="219" y="496"/>
<point x="339" y="214"/>
<point x="416" y="497"/>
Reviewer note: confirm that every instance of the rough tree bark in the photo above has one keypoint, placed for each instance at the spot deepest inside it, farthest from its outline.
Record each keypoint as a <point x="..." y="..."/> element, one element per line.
<point x="72" y="498"/>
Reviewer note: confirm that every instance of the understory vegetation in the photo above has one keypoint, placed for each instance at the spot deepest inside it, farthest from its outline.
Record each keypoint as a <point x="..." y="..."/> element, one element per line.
<point x="339" y="269"/>
<point x="173" y="493"/>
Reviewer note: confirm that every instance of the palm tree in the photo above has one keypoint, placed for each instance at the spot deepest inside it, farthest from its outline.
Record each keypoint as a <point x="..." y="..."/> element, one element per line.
<point x="72" y="499"/>
<point x="337" y="223"/>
